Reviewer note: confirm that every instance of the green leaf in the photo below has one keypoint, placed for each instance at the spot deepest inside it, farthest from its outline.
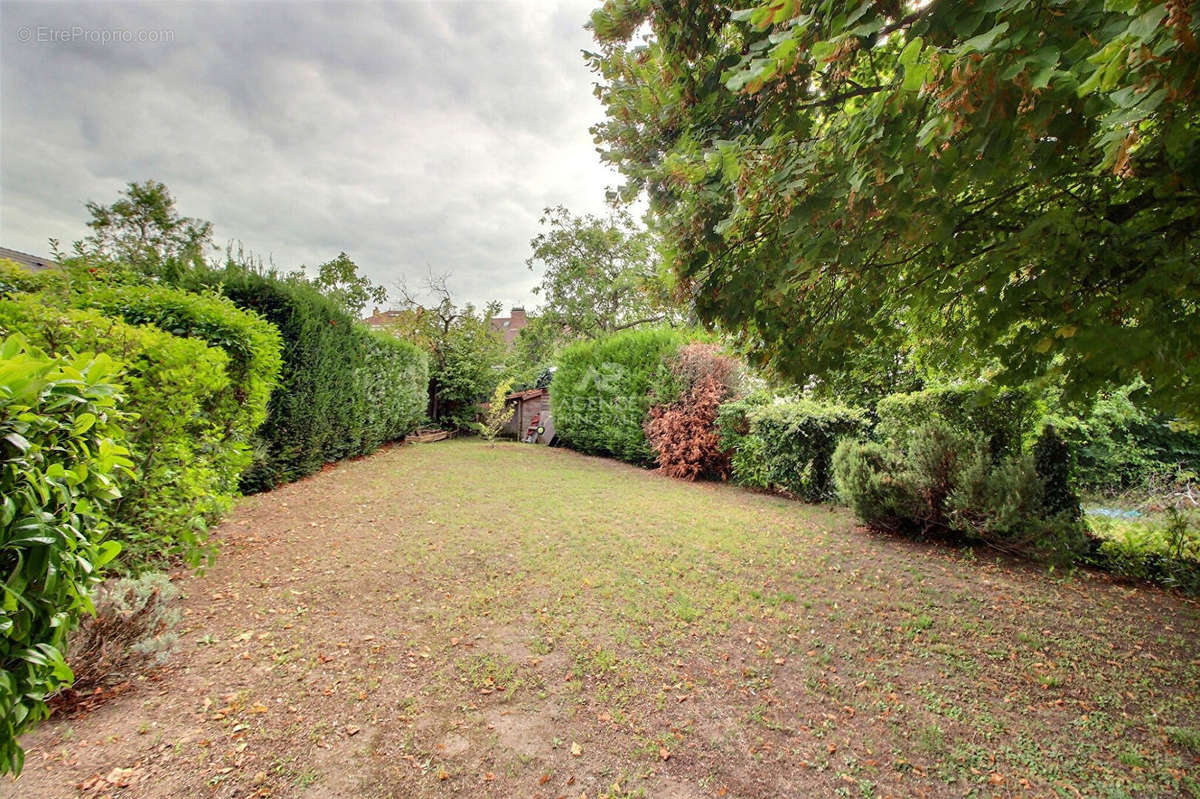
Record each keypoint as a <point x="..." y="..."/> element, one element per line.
<point x="1143" y="27"/>
<point x="983" y="41"/>
<point x="914" y="77"/>
<point x="106" y="552"/>
<point x="821" y="51"/>
<point x="19" y="441"/>
<point x="911" y="52"/>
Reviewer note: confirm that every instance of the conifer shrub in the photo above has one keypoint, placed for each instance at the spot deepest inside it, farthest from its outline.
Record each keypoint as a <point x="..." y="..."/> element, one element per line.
<point x="342" y="390"/>
<point x="683" y="433"/>
<point x="393" y="383"/>
<point x="946" y="482"/>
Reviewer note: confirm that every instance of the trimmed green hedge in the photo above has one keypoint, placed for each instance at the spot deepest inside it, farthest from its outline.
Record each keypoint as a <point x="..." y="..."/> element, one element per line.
<point x="311" y="415"/>
<point x="787" y="445"/>
<point x="393" y="386"/>
<point x="61" y="449"/>
<point x="604" y="388"/>
<point x="187" y="465"/>
<point x="252" y="343"/>
<point x="747" y="464"/>
<point x="333" y="369"/>
<point x="1004" y="417"/>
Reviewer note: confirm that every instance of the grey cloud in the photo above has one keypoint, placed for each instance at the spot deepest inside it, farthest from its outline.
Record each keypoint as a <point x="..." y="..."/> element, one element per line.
<point x="413" y="136"/>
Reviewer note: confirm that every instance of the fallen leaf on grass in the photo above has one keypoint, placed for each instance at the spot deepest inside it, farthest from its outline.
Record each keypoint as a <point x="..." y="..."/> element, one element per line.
<point x="664" y="753"/>
<point x="576" y="750"/>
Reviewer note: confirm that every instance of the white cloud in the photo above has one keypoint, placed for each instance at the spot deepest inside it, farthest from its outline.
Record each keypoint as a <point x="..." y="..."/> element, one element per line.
<point x="410" y="135"/>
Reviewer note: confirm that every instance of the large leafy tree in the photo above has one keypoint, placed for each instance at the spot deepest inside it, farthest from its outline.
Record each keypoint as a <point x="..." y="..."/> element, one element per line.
<point x="600" y="274"/>
<point x="1007" y="182"/>
<point x="143" y="229"/>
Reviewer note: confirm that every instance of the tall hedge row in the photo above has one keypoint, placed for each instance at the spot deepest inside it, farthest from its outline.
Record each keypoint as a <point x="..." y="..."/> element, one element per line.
<point x="604" y="389"/>
<point x="201" y="381"/>
<point x="251" y="342"/>
<point x="342" y="390"/>
<point x="393" y="386"/>
<point x="61" y="450"/>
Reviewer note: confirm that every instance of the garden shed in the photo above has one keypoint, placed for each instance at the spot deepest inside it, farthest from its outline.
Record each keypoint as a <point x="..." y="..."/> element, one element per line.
<point x="532" y="411"/>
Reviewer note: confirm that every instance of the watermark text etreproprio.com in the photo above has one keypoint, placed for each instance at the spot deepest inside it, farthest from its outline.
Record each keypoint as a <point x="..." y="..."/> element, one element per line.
<point x="80" y="34"/>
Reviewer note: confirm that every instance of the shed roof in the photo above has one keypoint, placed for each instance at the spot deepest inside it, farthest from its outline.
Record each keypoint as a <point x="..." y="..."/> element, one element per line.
<point x="529" y="393"/>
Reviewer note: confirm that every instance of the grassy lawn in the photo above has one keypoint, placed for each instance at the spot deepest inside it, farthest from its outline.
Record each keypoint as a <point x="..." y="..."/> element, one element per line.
<point x="457" y="620"/>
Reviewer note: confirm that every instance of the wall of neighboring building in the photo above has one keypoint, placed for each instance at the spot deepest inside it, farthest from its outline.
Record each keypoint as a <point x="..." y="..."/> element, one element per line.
<point x="510" y="326"/>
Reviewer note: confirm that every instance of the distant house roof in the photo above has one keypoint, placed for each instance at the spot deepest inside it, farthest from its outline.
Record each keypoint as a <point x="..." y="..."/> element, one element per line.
<point x="383" y="318"/>
<point x="510" y="326"/>
<point x="34" y="263"/>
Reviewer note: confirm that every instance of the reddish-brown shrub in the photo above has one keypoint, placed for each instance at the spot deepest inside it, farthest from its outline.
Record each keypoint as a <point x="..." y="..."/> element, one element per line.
<point x="683" y="434"/>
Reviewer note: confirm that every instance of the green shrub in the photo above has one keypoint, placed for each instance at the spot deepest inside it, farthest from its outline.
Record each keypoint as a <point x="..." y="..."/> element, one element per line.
<point x="604" y="389"/>
<point x="313" y="417"/>
<point x="865" y="475"/>
<point x="788" y="445"/>
<point x="1003" y="417"/>
<point x="747" y="463"/>
<point x="337" y="395"/>
<point x="61" y="450"/>
<point x="251" y="342"/>
<point x="1005" y="505"/>
<point x="15" y="279"/>
<point x="1052" y="461"/>
<point x="1121" y="445"/>
<point x="798" y="440"/>
<point x="393" y="384"/>
<point x="177" y="390"/>
<point x="948" y="483"/>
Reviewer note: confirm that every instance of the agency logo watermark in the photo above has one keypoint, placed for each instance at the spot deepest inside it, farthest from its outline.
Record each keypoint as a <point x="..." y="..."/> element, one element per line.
<point x="81" y="34"/>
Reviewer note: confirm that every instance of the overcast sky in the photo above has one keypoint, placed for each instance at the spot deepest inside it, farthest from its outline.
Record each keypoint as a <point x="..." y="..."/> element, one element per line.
<point x="411" y="135"/>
